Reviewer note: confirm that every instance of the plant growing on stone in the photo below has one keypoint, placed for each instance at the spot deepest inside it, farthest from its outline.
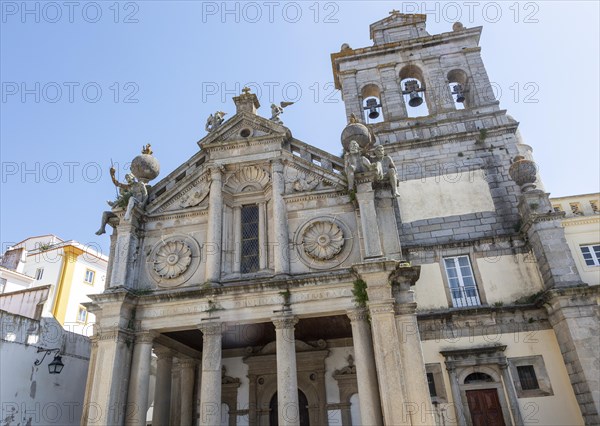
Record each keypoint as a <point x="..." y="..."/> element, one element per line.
<point x="359" y="291"/>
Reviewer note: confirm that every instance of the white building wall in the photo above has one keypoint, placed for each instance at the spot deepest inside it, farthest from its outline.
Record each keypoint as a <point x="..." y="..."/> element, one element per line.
<point x="29" y="394"/>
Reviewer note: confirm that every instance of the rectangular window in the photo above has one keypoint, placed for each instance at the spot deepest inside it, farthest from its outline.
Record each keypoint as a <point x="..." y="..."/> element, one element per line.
<point x="431" y="384"/>
<point x="39" y="273"/>
<point x="82" y="314"/>
<point x="463" y="289"/>
<point x="591" y="254"/>
<point x="89" y="276"/>
<point x="527" y="377"/>
<point x="250" y="244"/>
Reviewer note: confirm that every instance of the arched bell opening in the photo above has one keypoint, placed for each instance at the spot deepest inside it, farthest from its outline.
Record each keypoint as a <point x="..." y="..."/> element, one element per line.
<point x="371" y="104"/>
<point x="458" y="83"/>
<point x="413" y="91"/>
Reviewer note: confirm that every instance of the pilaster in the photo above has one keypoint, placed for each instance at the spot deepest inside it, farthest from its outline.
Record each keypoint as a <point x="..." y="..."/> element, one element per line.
<point x="281" y="258"/>
<point x="215" y="225"/>
<point x="139" y="381"/>
<point x="365" y="195"/>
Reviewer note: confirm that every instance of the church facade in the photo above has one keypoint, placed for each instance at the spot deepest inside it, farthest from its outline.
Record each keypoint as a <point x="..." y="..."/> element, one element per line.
<point x="420" y="279"/>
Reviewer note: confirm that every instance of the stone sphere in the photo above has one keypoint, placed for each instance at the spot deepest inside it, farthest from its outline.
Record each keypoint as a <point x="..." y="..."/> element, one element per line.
<point x="523" y="172"/>
<point x="145" y="167"/>
<point x="356" y="132"/>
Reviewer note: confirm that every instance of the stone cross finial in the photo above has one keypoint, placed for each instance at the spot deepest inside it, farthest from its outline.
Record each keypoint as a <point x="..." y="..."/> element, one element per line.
<point x="394" y="12"/>
<point x="246" y="90"/>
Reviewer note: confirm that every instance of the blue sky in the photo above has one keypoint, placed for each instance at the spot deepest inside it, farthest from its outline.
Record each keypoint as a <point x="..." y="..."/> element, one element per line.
<point x="87" y="82"/>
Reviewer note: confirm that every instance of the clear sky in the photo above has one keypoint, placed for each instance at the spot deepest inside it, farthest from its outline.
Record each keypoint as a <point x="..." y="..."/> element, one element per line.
<point x="87" y="82"/>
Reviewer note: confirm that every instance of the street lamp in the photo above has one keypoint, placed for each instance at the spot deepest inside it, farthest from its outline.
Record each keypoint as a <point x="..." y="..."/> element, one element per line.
<point x="56" y="365"/>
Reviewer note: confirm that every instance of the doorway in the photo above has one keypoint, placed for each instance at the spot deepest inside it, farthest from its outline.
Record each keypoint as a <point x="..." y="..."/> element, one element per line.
<point x="484" y="407"/>
<point x="303" y="410"/>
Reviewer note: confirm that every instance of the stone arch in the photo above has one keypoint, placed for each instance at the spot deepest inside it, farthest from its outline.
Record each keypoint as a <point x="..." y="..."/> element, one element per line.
<point x="484" y="369"/>
<point x="459" y="76"/>
<point x="409" y="74"/>
<point x="371" y="96"/>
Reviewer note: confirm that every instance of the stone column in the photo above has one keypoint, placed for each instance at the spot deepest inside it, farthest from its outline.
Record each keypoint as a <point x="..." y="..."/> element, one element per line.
<point x="215" y="225"/>
<point x="161" y="415"/>
<point x="287" y="380"/>
<point x="512" y="395"/>
<point x="176" y="393"/>
<point x="89" y="384"/>
<point x="385" y="338"/>
<point x="411" y="351"/>
<point x="456" y="398"/>
<point x="368" y="219"/>
<point x="366" y="375"/>
<point x="210" y="391"/>
<point x="139" y="381"/>
<point x="188" y="373"/>
<point x="281" y="257"/>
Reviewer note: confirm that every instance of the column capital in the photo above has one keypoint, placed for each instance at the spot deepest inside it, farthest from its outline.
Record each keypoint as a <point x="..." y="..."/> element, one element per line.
<point x="188" y="362"/>
<point x="162" y="352"/>
<point x="216" y="171"/>
<point x="358" y="314"/>
<point x="145" y="336"/>
<point x="382" y="307"/>
<point x="284" y="322"/>
<point x="211" y="328"/>
<point x="277" y="166"/>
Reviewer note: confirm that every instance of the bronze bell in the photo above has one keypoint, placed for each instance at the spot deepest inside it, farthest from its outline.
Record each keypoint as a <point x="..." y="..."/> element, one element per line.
<point x="372" y="106"/>
<point x="415" y="99"/>
<point x="458" y="91"/>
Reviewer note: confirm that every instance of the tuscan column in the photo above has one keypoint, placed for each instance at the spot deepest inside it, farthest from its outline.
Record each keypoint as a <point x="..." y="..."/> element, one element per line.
<point x="512" y="394"/>
<point x="366" y="376"/>
<point x="411" y="351"/>
<point x="456" y="398"/>
<point x="188" y="373"/>
<point x="210" y="390"/>
<point x="175" y="414"/>
<point x="287" y="380"/>
<point x="139" y="381"/>
<point x="280" y="254"/>
<point x="215" y="226"/>
<point x="161" y="414"/>
<point x="385" y="338"/>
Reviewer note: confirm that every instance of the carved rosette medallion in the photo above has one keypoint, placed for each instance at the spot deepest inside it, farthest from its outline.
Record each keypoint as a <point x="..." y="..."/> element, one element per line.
<point x="174" y="260"/>
<point x="324" y="242"/>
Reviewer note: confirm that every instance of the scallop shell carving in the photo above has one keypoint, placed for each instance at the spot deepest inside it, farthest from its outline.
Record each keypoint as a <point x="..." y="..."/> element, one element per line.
<point x="323" y="240"/>
<point x="172" y="259"/>
<point x="248" y="177"/>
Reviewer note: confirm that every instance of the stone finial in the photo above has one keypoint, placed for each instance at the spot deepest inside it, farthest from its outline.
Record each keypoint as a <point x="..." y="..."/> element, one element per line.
<point x="246" y="102"/>
<point x="523" y="172"/>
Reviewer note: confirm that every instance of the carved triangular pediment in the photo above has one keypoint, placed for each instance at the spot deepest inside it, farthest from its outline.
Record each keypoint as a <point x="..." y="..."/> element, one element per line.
<point x="243" y="127"/>
<point x="191" y="191"/>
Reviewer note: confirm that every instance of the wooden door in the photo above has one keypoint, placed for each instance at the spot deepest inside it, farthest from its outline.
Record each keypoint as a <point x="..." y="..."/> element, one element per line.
<point x="485" y="408"/>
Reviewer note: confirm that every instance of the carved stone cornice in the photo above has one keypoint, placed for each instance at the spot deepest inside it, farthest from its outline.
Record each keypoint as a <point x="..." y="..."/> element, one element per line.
<point x="405" y="308"/>
<point x="118" y="335"/>
<point x="381" y="307"/>
<point x="211" y="328"/>
<point x="188" y="362"/>
<point x="284" y="322"/>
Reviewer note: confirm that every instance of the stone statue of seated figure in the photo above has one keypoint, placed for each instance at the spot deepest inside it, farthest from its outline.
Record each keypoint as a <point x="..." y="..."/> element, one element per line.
<point x="386" y="169"/>
<point x="355" y="162"/>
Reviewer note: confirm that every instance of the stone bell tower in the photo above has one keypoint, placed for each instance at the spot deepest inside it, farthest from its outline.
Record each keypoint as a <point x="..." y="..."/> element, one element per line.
<point x="403" y="51"/>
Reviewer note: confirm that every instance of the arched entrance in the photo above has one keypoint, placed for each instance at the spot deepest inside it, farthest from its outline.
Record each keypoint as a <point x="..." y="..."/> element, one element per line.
<point x="484" y="404"/>
<point x="303" y="408"/>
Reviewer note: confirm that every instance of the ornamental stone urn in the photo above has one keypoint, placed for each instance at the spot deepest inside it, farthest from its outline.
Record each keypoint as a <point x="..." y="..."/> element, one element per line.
<point x="523" y="172"/>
